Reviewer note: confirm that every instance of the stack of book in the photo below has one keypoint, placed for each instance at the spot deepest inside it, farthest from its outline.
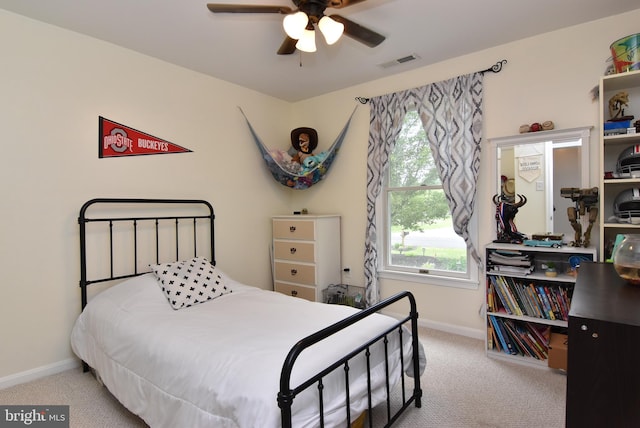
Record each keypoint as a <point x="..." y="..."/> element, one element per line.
<point x="522" y="298"/>
<point x="515" y="338"/>
<point x="510" y="262"/>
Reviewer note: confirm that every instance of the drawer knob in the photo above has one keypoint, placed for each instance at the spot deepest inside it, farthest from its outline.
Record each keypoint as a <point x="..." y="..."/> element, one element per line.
<point x="292" y="250"/>
<point x="294" y="293"/>
<point x="294" y="272"/>
<point x="292" y="229"/>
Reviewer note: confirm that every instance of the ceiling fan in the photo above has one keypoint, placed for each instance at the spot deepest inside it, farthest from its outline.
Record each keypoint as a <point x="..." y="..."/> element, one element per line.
<point x="299" y="23"/>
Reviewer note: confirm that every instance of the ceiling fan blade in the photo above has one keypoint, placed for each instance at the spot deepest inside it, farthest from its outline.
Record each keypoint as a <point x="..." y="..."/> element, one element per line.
<point x="359" y="33"/>
<point x="288" y="46"/>
<point x="337" y="4"/>
<point x="247" y="8"/>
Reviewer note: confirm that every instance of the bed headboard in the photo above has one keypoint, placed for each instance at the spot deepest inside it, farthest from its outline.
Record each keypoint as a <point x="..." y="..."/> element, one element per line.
<point x="120" y="237"/>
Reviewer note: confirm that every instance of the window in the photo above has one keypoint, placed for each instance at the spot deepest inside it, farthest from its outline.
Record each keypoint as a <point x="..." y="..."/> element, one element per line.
<point x="419" y="239"/>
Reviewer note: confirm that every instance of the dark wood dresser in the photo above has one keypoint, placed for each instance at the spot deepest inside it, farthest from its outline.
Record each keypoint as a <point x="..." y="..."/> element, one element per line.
<point x="603" y="374"/>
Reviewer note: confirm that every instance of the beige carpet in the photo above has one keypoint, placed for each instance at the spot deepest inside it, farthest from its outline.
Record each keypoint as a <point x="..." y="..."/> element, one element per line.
<point x="462" y="388"/>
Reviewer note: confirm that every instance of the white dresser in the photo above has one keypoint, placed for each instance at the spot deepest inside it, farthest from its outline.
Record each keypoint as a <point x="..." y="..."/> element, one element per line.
<point x="306" y="254"/>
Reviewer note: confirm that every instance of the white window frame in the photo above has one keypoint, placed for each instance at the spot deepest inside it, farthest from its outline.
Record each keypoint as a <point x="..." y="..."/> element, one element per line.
<point x="468" y="280"/>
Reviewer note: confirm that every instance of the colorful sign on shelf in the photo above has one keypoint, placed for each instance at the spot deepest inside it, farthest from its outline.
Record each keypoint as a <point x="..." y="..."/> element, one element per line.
<point x="116" y="140"/>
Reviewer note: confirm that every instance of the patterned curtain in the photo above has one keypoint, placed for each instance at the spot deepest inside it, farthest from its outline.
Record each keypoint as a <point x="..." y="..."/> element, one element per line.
<point x="451" y="114"/>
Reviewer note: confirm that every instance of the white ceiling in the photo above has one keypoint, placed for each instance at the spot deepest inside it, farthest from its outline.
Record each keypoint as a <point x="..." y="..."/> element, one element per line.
<point x="241" y="48"/>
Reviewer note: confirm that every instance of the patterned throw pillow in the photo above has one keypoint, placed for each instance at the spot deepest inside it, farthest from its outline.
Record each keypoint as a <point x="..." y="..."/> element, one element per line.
<point x="189" y="282"/>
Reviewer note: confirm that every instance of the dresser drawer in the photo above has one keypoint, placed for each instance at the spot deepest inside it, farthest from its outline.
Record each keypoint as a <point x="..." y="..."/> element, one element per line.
<point x="296" y="251"/>
<point x="293" y="229"/>
<point x="296" y="291"/>
<point x="302" y="274"/>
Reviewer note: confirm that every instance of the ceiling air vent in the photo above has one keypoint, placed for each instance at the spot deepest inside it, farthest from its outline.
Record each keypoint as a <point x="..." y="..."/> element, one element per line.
<point x="399" y="61"/>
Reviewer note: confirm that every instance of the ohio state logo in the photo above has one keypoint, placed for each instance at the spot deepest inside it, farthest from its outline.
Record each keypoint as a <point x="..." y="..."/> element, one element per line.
<point x="118" y="141"/>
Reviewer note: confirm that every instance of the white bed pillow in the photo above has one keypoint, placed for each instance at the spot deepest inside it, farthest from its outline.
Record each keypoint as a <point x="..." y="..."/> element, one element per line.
<point x="189" y="282"/>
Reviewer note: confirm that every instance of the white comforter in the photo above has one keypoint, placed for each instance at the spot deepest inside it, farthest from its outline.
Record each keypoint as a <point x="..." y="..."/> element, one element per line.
<point x="218" y="364"/>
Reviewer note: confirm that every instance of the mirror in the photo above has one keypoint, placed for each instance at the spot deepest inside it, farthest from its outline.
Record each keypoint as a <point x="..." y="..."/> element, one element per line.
<point x="537" y="165"/>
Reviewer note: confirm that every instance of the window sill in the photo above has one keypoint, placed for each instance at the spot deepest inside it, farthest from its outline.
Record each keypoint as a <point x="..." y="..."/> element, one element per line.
<point x="442" y="281"/>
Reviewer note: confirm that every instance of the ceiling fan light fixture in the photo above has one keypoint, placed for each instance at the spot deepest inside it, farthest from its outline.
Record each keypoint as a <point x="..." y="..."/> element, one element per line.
<point x="307" y="43"/>
<point x="330" y="29"/>
<point x="294" y="24"/>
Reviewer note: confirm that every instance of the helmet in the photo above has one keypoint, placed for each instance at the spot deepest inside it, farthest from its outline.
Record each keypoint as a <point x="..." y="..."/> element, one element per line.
<point x="629" y="160"/>
<point x="627" y="203"/>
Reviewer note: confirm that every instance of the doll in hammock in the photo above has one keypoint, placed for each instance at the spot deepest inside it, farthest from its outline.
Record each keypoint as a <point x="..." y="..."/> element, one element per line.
<point x="303" y="143"/>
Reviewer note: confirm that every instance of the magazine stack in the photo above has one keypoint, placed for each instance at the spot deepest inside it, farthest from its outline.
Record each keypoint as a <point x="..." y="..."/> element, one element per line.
<point x="512" y="262"/>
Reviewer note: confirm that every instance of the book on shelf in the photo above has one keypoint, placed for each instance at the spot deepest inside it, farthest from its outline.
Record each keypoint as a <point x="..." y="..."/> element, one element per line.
<point x="513" y="289"/>
<point x="533" y="299"/>
<point x="521" y="289"/>
<point x="515" y="303"/>
<point x="545" y="303"/>
<point x="553" y="293"/>
<point x="505" y="342"/>
<point x="497" y="300"/>
<point x="492" y="305"/>
<point x="531" y="347"/>
<point x="490" y="337"/>
<point x="541" y="334"/>
<point x="519" y="345"/>
<point x="539" y="350"/>
<point x="565" y="303"/>
<point x="507" y="301"/>
<point x="496" y="341"/>
<point x="520" y="338"/>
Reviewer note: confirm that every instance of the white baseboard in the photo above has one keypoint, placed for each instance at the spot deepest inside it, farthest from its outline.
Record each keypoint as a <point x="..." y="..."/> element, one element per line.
<point x="449" y="328"/>
<point x="38" y="372"/>
<point x="455" y="329"/>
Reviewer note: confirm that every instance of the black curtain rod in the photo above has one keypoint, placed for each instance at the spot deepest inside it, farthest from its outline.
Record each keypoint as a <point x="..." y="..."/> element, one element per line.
<point x="495" y="68"/>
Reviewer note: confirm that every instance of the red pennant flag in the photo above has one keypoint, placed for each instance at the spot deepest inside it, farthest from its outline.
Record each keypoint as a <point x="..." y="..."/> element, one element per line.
<point x="120" y="140"/>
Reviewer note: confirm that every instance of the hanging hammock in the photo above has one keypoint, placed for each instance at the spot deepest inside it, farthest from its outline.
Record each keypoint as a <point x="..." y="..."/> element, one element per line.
<point x="292" y="174"/>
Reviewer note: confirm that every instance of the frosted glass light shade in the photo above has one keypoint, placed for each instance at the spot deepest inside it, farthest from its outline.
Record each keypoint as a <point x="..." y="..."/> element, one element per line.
<point x="294" y="24"/>
<point x="307" y="43"/>
<point x="330" y="29"/>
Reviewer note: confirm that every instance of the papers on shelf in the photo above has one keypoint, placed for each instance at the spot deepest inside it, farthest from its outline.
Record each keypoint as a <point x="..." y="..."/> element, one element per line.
<point x="512" y="269"/>
<point x="510" y="261"/>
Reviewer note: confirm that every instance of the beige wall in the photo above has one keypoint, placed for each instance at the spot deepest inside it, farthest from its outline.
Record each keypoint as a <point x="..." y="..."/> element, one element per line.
<point x="56" y="83"/>
<point x="548" y="77"/>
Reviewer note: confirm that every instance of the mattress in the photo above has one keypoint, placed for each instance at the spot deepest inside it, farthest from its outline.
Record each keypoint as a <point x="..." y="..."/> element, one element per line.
<point x="217" y="364"/>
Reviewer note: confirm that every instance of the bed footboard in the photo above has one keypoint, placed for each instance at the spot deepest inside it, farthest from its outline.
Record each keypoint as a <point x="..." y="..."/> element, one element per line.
<point x="287" y="394"/>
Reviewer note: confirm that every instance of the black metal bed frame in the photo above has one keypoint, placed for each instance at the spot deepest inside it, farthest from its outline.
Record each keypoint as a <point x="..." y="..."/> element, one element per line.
<point x="286" y="395"/>
<point x="84" y="219"/>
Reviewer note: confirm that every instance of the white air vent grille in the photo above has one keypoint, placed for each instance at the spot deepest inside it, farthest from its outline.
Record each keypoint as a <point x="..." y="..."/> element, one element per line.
<point x="399" y="61"/>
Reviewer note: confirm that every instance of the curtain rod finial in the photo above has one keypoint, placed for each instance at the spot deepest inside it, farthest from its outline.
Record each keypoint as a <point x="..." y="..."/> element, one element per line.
<point x="497" y="67"/>
<point x="362" y="100"/>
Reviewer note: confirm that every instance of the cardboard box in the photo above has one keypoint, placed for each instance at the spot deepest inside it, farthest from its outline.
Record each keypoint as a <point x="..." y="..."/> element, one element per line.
<point x="558" y="351"/>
